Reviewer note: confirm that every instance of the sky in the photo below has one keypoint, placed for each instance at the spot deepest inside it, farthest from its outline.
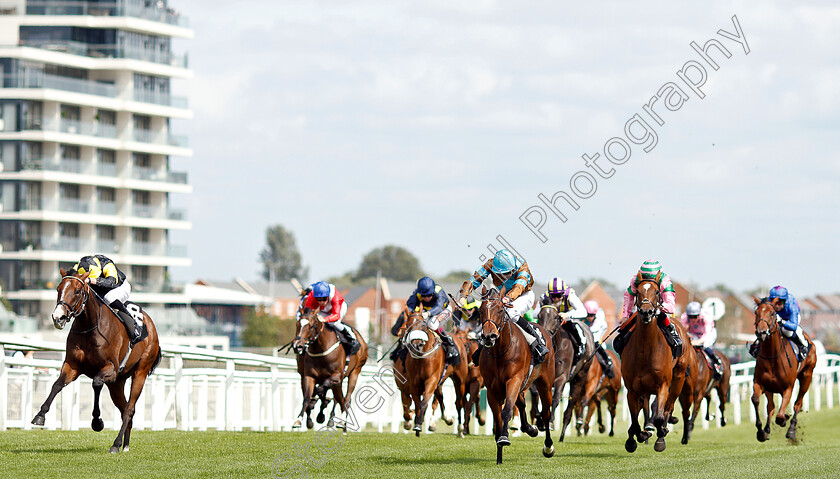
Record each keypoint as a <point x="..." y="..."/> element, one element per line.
<point x="435" y="125"/>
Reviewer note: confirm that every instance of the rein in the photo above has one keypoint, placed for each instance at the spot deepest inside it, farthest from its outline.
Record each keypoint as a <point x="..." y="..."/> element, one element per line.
<point x="312" y="340"/>
<point x="73" y="312"/>
<point x="505" y="323"/>
<point x="641" y="302"/>
<point x="772" y="328"/>
<point x="411" y="350"/>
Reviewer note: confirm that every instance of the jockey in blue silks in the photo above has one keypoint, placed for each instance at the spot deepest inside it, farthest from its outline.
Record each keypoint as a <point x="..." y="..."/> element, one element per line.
<point x="788" y="314"/>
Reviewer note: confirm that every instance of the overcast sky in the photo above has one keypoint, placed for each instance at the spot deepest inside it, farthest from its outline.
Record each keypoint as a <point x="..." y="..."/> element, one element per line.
<point x="435" y="124"/>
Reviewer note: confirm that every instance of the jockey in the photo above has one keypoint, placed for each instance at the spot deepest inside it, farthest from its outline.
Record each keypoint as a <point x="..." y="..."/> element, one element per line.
<point x="331" y="308"/>
<point x="110" y="283"/>
<point x="597" y="323"/>
<point x="570" y="309"/>
<point x="433" y="300"/>
<point x="701" y="330"/>
<point x="649" y="270"/>
<point x="787" y="312"/>
<point x="513" y="273"/>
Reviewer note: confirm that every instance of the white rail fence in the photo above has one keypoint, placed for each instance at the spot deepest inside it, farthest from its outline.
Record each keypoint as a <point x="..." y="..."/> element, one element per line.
<point x="201" y="389"/>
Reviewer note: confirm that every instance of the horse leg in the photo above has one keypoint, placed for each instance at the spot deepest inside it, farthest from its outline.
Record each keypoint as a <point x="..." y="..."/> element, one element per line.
<point x="338" y="396"/>
<point x="761" y="435"/>
<point x="545" y="401"/>
<point x="689" y="415"/>
<point x="535" y="408"/>
<point x="436" y="401"/>
<point x="439" y="398"/>
<point x="496" y="410"/>
<point x="307" y="386"/>
<point x="117" y="392"/>
<point x="526" y="426"/>
<point x="612" y="401"/>
<point x="555" y="401"/>
<point x="96" y="423"/>
<point x="469" y="400"/>
<point x="722" y="397"/>
<point x="594" y="407"/>
<point x="421" y="401"/>
<point x="67" y="376"/>
<point x="512" y="388"/>
<point x="460" y="402"/>
<point x="781" y="416"/>
<point x="634" y="432"/>
<point x="804" y="385"/>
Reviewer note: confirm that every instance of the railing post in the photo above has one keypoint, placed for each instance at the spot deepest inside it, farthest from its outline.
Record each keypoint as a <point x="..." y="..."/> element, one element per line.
<point x="735" y="399"/>
<point x="4" y="389"/>
<point x="274" y="398"/>
<point x="180" y="395"/>
<point x="230" y="403"/>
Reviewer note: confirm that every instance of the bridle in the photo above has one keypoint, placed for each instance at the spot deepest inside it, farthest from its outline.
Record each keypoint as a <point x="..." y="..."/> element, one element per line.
<point x="77" y="309"/>
<point x="310" y="317"/>
<point x="411" y="327"/>
<point x="490" y="303"/>
<point x="643" y="301"/>
<point x="772" y="327"/>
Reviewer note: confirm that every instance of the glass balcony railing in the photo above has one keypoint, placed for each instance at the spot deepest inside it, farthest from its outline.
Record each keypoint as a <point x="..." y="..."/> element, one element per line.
<point x="148" y="136"/>
<point x="144" y="211"/>
<point x="151" y="174"/>
<point x="160" y="99"/>
<point x="106" y="246"/>
<point x="176" y="215"/>
<point x="51" y="164"/>
<point x="109" y="50"/>
<point x="43" y="80"/>
<point x="106" y="208"/>
<point x="62" y="243"/>
<point x="73" y="205"/>
<point x="120" y="8"/>
<point x="106" y="169"/>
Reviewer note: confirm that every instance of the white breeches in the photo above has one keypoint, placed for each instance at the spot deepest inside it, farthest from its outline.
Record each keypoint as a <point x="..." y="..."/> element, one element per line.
<point x="121" y="293"/>
<point x="434" y="321"/>
<point x="521" y="305"/>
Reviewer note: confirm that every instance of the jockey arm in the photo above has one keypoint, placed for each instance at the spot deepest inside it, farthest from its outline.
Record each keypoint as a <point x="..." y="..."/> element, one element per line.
<point x="666" y="292"/>
<point x="337" y="302"/>
<point x="790" y="315"/>
<point x="578" y="311"/>
<point x="599" y="325"/>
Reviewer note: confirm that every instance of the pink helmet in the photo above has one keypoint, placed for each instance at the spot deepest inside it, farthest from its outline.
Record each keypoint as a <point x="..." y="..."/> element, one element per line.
<point x="591" y="306"/>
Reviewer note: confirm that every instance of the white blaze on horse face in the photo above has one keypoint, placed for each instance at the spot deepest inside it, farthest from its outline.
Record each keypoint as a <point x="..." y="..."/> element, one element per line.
<point x="646" y="286"/>
<point x="57" y="314"/>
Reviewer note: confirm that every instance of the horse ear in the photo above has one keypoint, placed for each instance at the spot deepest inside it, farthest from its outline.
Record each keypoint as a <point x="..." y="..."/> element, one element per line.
<point x="85" y="276"/>
<point x="658" y="277"/>
<point x="503" y="291"/>
<point x="757" y="301"/>
<point x="639" y="277"/>
<point x="63" y="272"/>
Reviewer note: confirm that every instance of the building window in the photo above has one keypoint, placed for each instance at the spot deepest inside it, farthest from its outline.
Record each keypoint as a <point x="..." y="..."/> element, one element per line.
<point x="142" y="160"/>
<point x="70" y="152"/>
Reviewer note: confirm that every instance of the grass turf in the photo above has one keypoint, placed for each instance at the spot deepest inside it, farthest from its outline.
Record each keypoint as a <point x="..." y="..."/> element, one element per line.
<point x="729" y="452"/>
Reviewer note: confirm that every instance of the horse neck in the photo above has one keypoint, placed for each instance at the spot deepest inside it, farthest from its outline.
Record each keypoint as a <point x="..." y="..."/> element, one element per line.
<point x="648" y="334"/>
<point x="323" y="339"/>
<point x="773" y="348"/>
<point x="92" y="313"/>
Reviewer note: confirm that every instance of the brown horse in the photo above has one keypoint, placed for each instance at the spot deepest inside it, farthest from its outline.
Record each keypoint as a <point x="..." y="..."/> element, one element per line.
<point x="505" y="364"/>
<point x="566" y="371"/>
<point x="776" y="371"/>
<point x="599" y="388"/>
<point x="474" y="382"/>
<point x="322" y="362"/>
<point x="426" y="371"/>
<point x="706" y="383"/>
<point x="96" y="346"/>
<point x="649" y="369"/>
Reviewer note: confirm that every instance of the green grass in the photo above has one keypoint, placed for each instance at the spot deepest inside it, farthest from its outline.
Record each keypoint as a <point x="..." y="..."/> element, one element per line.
<point x="729" y="452"/>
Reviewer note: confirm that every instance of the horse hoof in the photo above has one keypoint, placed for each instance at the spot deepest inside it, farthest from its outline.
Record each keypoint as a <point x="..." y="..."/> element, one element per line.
<point x="432" y="427"/>
<point x="38" y="420"/>
<point x="722" y="422"/>
<point x="781" y="421"/>
<point x="791" y="434"/>
<point x="97" y="424"/>
<point x="659" y="445"/>
<point x="643" y="436"/>
<point x="330" y="424"/>
<point x="448" y="420"/>
<point x="125" y="449"/>
<point x="417" y="428"/>
<point x="321" y="417"/>
<point x="480" y="421"/>
<point x="630" y="445"/>
<point x="460" y="431"/>
<point x="416" y="433"/>
<point x="548" y="451"/>
<point x="407" y="425"/>
<point x="309" y="424"/>
<point x="503" y="441"/>
<point x="601" y="429"/>
<point x="673" y="420"/>
<point x="761" y="436"/>
<point x="530" y="430"/>
<point x="114" y="450"/>
<point x="612" y="433"/>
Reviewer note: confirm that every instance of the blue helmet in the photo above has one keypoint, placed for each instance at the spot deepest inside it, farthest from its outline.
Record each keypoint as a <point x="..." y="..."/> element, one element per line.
<point x="321" y="289"/>
<point x="504" y="262"/>
<point x="693" y="309"/>
<point x="779" y="292"/>
<point x="426" y="286"/>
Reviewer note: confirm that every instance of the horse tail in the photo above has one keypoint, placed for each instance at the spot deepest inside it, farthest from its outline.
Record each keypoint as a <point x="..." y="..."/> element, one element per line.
<point x="157" y="361"/>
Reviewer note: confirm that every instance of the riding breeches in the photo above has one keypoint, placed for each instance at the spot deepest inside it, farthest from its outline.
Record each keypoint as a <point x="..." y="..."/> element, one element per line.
<point x="434" y="322"/>
<point x="521" y="305"/>
<point x="120" y="293"/>
<point x="799" y="334"/>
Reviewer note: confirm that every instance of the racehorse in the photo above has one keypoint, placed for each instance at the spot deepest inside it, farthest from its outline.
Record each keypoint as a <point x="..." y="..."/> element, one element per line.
<point x="505" y="364"/>
<point x="706" y="383"/>
<point x="777" y="369"/>
<point x="566" y="371"/>
<point x="96" y="346"/>
<point x="649" y="369"/>
<point x="474" y="382"/>
<point x="426" y="370"/>
<point x="599" y="387"/>
<point x="322" y="362"/>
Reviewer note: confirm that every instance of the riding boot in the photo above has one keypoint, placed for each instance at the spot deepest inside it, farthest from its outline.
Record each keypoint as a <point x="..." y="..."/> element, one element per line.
<point x="397" y="352"/>
<point x="672" y="336"/>
<point x="395" y="330"/>
<point x="717" y="366"/>
<point x="132" y="327"/>
<point x="538" y="349"/>
<point x="754" y="349"/>
<point x="452" y="356"/>
<point x="621" y="340"/>
<point x="804" y="346"/>
<point x="348" y="340"/>
<point x="475" y="356"/>
<point x="604" y="360"/>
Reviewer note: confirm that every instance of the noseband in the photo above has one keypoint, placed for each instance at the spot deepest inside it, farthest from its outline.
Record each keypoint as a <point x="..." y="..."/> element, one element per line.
<point x="643" y="301"/>
<point x="311" y="340"/>
<point x="76" y="310"/>
<point x="772" y="325"/>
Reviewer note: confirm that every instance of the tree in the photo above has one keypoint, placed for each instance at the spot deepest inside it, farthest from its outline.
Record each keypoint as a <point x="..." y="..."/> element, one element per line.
<point x="457" y="276"/>
<point x="265" y="330"/>
<point x="393" y="262"/>
<point x="281" y="255"/>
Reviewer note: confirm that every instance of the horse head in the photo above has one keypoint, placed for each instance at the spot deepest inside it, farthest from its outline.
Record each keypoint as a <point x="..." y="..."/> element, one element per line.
<point x="73" y="293"/>
<point x="765" y="319"/>
<point x="493" y="316"/>
<point x="547" y="317"/>
<point x="414" y="322"/>
<point x="648" y="297"/>
<point x="311" y="328"/>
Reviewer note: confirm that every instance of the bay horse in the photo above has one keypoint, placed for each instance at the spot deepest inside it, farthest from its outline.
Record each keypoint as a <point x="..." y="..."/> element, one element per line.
<point x="777" y="369"/>
<point x="322" y="363"/>
<point x="426" y="371"/>
<point x="650" y="370"/>
<point x="96" y="346"/>
<point x="706" y="383"/>
<point x="599" y="388"/>
<point x="566" y="371"/>
<point x="474" y="382"/>
<point x="505" y="364"/>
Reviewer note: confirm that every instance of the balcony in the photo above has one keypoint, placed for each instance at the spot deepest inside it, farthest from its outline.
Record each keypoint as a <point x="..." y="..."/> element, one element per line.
<point x="43" y="80"/>
<point x="160" y="99"/>
<point x="148" y="136"/>
<point x="151" y="174"/>
<point x="119" y="8"/>
<point x="109" y="50"/>
<point x="73" y="205"/>
<point x="51" y="164"/>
